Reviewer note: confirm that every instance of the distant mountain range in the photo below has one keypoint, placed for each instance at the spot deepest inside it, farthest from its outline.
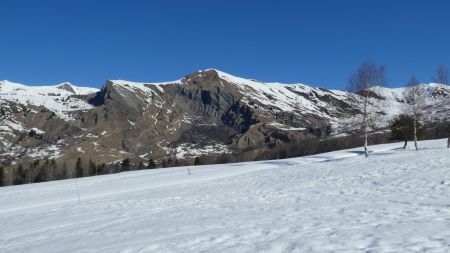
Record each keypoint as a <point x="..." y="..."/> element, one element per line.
<point x="205" y="113"/>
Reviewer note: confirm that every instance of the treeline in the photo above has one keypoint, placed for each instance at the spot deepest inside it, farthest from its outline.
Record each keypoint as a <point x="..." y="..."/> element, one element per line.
<point x="36" y="171"/>
<point x="49" y="169"/>
<point x="309" y="146"/>
<point x="314" y="145"/>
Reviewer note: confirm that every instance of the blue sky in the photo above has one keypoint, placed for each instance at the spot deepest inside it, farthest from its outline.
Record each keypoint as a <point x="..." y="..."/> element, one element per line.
<point x="314" y="42"/>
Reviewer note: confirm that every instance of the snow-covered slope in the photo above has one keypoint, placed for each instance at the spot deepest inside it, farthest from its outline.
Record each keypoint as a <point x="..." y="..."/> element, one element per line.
<point x="286" y="97"/>
<point x="395" y="201"/>
<point x="56" y="98"/>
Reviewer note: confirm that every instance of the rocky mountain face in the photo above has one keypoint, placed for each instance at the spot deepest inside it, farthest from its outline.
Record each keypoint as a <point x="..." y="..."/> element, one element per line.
<point x="205" y="113"/>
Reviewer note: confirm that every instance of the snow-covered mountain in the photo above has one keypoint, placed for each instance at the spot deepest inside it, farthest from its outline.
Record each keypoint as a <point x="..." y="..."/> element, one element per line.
<point x="60" y="98"/>
<point x="395" y="201"/>
<point x="205" y="113"/>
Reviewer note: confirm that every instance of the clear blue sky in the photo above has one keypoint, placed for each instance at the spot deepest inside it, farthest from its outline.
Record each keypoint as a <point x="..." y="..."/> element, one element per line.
<point x="315" y="42"/>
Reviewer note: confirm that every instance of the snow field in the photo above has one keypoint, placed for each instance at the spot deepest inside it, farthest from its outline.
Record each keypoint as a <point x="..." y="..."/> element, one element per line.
<point x="395" y="201"/>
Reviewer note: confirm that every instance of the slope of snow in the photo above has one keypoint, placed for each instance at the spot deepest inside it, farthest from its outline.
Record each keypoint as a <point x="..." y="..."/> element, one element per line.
<point x="395" y="201"/>
<point x="431" y="91"/>
<point x="55" y="98"/>
<point x="59" y="89"/>
<point x="146" y="87"/>
<point x="436" y="102"/>
<point x="284" y="96"/>
<point x="140" y="84"/>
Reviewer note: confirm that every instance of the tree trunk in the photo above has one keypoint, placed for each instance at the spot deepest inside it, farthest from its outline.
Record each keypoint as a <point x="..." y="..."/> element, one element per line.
<point x="366" y="152"/>
<point x="415" y="131"/>
<point x="365" y="123"/>
<point x="406" y="143"/>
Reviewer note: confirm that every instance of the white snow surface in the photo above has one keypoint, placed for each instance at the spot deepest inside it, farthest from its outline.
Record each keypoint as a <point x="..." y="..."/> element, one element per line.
<point x="56" y="98"/>
<point x="145" y="87"/>
<point x="186" y="150"/>
<point x="395" y="201"/>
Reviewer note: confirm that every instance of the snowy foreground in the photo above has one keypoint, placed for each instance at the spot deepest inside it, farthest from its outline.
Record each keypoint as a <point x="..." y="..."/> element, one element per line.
<point x="395" y="201"/>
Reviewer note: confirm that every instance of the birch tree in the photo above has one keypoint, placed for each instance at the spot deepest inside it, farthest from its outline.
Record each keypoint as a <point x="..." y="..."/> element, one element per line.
<point x="402" y="128"/>
<point x="441" y="75"/>
<point x="442" y="78"/>
<point x="415" y="102"/>
<point x="367" y="76"/>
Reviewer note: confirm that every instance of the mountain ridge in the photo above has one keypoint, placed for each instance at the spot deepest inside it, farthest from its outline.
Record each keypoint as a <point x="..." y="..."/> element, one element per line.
<point x="207" y="113"/>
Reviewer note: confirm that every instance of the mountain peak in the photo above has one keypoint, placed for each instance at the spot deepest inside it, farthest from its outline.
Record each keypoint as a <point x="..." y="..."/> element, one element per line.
<point x="66" y="86"/>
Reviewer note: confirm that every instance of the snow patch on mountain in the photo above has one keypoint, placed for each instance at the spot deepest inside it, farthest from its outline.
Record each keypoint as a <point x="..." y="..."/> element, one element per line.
<point x="47" y="151"/>
<point x="59" y="99"/>
<point x="297" y="97"/>
<point x="146" y="87"/>
<point x="285" y="127"/>
<point x="187" y="150"/>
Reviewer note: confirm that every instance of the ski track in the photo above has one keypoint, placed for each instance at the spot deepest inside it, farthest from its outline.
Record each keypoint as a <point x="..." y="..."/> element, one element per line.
<point x="395" y="201"/>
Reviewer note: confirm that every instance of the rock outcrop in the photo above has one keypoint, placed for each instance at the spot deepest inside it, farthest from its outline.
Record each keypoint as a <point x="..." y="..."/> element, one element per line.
<point x="205" y="112"/>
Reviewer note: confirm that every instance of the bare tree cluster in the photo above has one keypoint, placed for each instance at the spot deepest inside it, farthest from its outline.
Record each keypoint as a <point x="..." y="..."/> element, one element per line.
<point x="364" y="82"/>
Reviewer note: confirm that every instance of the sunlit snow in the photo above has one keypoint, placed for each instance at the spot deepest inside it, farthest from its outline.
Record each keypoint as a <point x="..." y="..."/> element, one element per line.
<point x="395" y="201"/>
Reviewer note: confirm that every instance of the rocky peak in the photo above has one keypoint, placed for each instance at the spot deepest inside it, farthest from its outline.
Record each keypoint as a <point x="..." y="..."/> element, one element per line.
<point x="66" y="86"/>
<point x="208" y="79"/>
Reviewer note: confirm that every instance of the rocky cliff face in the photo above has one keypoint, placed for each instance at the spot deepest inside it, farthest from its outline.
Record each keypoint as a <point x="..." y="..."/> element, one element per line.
<point x="205" y="112"/>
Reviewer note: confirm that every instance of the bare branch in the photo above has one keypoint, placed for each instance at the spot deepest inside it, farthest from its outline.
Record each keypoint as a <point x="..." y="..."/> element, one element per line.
<point x="441" y="75"/>
<point x="362" y="82"/>
<point x="415" y="102"/>
<point x="368" y="75"/>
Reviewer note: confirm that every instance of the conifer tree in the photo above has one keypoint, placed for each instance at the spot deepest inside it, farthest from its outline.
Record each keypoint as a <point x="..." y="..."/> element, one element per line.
<point x="64" y="173"/>
<point x="20" y="175"/>
<point x="2" y="176"/>
<point x="126" y="165"/>
<point x="402" y="128"/>
<point x="78" y="168"/>
<point x="101" y="169"/>
<point x="197" y="161"/>
<point x="151" y="164"/>
<point x="92" y="168"/>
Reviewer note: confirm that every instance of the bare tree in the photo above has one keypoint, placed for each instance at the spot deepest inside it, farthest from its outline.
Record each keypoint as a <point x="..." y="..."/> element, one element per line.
<point x="367" y="76"/>
<point x="442" y="78"/>
<point x="441" y="75"/>
<point x="415" y="101"/>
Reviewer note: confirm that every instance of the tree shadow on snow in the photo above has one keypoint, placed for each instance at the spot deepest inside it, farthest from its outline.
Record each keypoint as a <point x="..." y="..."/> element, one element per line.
<point x="370" y="152"/>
